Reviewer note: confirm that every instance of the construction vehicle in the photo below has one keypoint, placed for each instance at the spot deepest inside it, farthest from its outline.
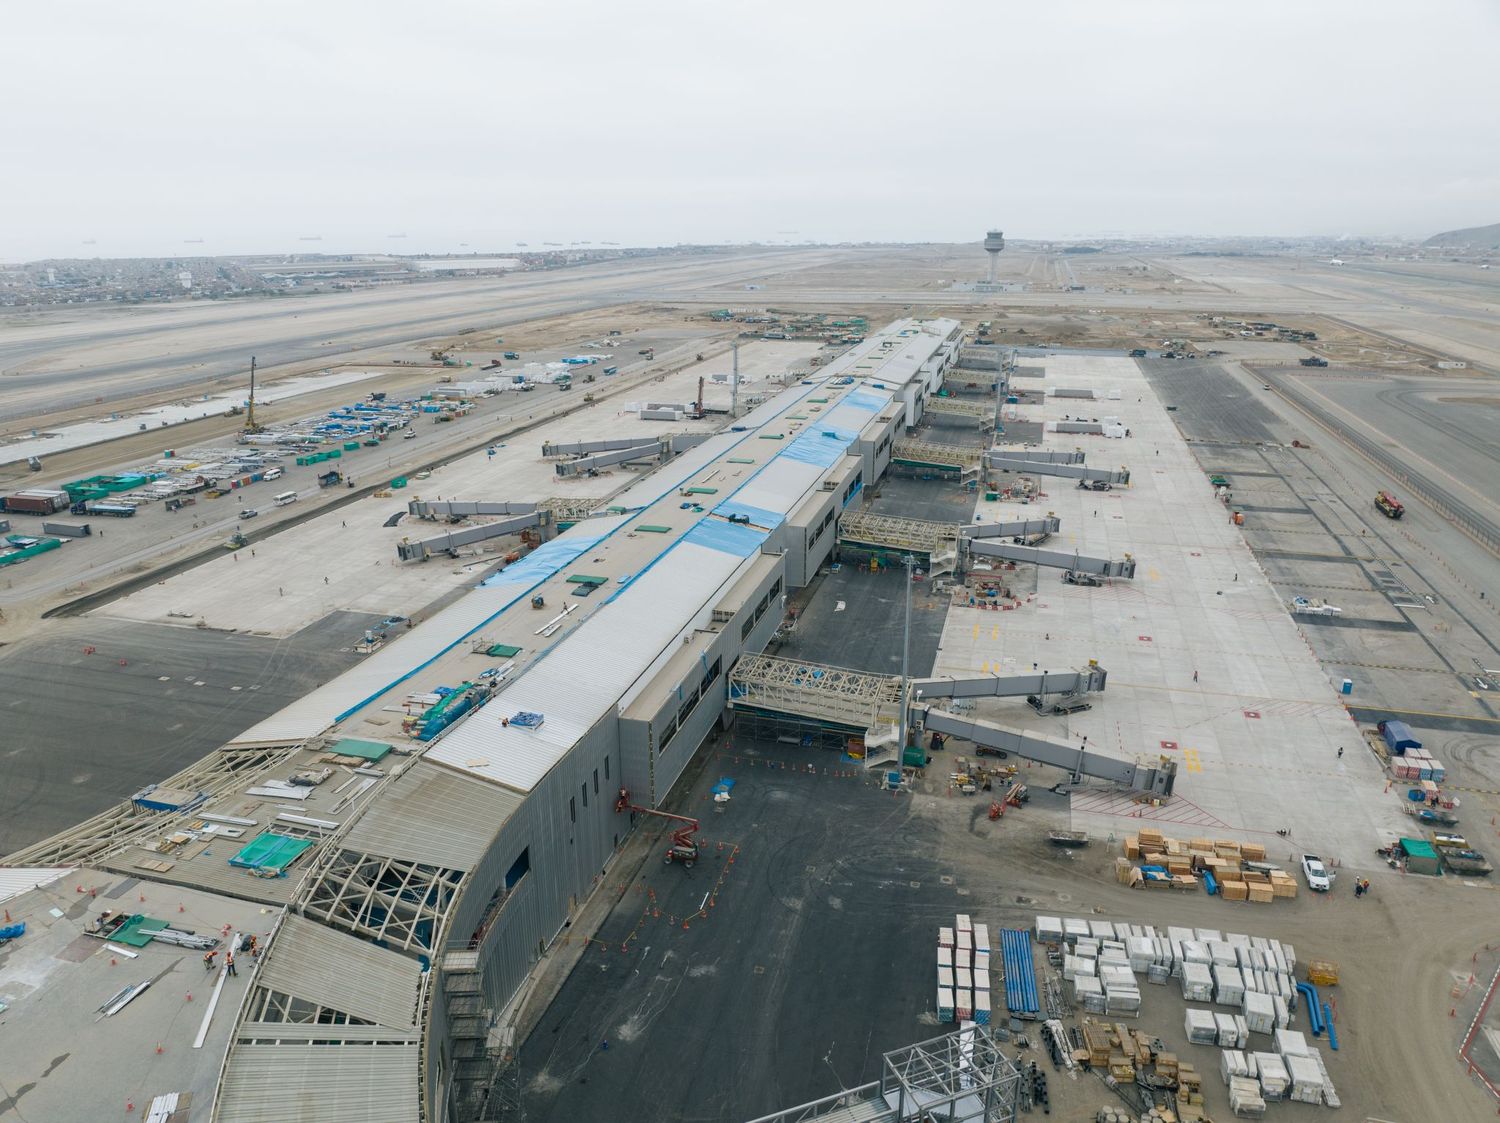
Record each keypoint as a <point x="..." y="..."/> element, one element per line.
<point x="512" y="355"/>
<point x="1079" y="577"/>
<point x="1388" y="505"/>
<point x="33" y="463"/>
<point x="236" y="541"/>
<point x="698" y="405"/>
<point x="683" y="847"/>
<point x="250" y="425"/>
<point x="1313" y="361"/>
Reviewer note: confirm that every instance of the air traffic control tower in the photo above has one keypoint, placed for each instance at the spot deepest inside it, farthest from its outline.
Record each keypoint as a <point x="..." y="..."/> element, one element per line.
<point x="994" y="242"/>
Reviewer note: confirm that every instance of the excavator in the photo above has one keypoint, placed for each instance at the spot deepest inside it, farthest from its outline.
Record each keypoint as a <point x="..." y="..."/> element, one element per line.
<point x="1388" y="505"/>
<point x="683" y="847"/>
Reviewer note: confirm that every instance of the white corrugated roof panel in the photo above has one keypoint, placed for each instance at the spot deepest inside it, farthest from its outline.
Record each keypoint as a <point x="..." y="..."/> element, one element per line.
<point x="432" y="816"/>
<point x="14" y="882"/>
<point x="314" y="1083"/>
<point x="330" y="968"/>
<point x="587" y="674"/>
<point x="315" y="712"/>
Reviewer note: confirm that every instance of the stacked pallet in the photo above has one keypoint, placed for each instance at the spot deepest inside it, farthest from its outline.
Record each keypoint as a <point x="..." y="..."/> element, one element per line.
<point x="1152" y="860"/>
<point x="963" y="992"/>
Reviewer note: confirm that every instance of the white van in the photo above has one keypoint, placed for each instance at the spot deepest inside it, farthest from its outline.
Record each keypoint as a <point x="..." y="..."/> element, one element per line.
<point x="272" y="474"/>
<point x="285" y="498"/>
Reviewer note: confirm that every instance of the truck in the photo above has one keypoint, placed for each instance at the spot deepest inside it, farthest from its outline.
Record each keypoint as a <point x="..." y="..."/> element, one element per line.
<point x="36" y="501"/>
<point x="1388" y="505"/>
<point x="1306" y="606"/>
<point x="1313" y="361"/>
<point x="108" y="509"/>
<point x="1319" y="879"/>
<point x="512" y="355"/>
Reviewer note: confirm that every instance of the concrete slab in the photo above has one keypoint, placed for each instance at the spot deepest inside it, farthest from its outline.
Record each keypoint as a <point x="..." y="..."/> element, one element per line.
<point x="347" y="561"/>
<point x="1205" y="663"/>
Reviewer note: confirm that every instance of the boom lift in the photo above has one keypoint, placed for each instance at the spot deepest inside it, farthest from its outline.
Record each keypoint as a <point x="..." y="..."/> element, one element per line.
<point x="684" y="847"/>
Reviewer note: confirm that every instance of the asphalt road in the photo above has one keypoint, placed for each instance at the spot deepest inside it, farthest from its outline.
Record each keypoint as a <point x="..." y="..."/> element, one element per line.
<point x="49" y="360"/>
<point x="81" y="731"/>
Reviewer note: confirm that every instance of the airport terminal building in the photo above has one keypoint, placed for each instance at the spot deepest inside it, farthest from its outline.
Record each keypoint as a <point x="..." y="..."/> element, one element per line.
<point x="421" y="880"/>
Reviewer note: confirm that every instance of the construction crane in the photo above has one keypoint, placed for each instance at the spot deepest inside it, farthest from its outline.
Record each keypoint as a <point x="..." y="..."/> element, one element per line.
<point x="250" y="425"/>
<point x="698" y="405"/>
<point x="683" y="847"/>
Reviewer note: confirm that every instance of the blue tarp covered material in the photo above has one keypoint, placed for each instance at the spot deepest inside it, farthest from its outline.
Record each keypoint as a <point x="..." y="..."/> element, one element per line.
<point x="822" y="446"/>
<point x="758" y="516"/>
<point x="724" y="786"/>
<point x="728" y="538"/>
<point x="1398" y="737"/>
<point x="1020" y="971"/>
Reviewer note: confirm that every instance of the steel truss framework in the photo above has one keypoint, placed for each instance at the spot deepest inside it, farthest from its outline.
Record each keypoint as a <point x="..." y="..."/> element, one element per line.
<point x="851" y="698"/>
<point x="403" y="904"/>
<point x="92" y="842"/>
<point x="983" y="412"/>
<point x="972" y="376"/>
<point x="928" y="452"/>
<point x="961" y="1077"/>
<point x="898" y="534"/>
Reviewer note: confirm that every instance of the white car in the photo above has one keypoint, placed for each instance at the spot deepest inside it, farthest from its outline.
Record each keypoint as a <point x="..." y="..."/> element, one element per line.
<point x="1319" y="878"/>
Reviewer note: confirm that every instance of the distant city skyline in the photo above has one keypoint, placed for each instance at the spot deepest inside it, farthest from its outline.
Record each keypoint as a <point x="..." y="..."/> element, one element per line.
<point x="183" y="129"/>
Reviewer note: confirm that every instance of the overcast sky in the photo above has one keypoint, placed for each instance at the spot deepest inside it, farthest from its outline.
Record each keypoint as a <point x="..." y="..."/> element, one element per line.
<point x="129" y="129"/>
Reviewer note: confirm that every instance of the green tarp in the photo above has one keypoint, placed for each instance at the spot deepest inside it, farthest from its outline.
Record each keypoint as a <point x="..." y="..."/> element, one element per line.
<point x="136" y="932"/>
<point x="271" y="851"/>
<point x="352" y="746"/>
<point x="503" y="650"/>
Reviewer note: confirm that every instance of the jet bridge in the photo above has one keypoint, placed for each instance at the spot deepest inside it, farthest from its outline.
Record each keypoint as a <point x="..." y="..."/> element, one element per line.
<point x="1090" y="678"/>
<point x="619" y="451"/>
<point x="1014" y="528"/>
<point x="1037" y="455"/>
<point x="1053" y="559"/>
<point x="1004" y="461"/>
<point x="462" y="509"/>
<point x="520" y="520"/>
<point x="1153" y="774"/>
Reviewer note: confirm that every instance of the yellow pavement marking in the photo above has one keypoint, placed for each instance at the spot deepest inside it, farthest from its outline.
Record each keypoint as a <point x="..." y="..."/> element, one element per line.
<point x="1190" y="758"/>
<point x="995" y="632"/>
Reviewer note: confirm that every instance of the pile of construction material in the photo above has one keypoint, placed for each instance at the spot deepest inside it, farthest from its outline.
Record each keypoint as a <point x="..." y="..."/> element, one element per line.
<point x="1293" y="1071"/>
<point x="1101" y="959"/>
<point x="964" y="972"/>
<point x="1134" y="1057"/>
<point x="1237" y="871"/>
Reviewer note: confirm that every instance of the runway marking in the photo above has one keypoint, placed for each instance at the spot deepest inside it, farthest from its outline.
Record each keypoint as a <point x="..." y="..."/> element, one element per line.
<point x="976" y="631"/>
<point x="1190" y="758"/>
<point x="995" y="632"/>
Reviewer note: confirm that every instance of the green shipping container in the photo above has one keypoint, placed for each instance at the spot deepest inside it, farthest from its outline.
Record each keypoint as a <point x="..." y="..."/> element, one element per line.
<point x="351" y="446"/>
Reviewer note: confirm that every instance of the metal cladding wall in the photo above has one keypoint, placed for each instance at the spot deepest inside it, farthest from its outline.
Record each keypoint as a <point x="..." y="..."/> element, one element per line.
<point x="569" y="846"/>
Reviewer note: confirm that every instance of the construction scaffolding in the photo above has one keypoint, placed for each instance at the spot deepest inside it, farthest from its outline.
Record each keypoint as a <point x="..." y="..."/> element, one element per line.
<point x="961" y="1077"/>
<point x="855" y="700"/>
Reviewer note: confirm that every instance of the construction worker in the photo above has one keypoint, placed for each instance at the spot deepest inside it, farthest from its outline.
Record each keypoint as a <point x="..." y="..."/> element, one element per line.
<point x="208" y="960"/>
<point x="254" y="947"/>
<point x="229" y="963"/>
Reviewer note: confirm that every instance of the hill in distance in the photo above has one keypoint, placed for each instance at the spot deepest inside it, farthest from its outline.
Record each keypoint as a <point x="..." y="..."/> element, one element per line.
<point x="1478" y="236"/>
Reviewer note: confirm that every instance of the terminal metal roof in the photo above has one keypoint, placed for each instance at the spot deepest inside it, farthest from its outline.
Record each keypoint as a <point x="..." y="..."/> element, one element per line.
<point x="340" y="972"/>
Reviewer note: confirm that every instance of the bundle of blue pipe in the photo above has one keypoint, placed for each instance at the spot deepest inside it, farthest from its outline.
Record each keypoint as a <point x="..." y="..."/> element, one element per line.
<point x="1020" y="971"/>
<point x="1314" y="1008"/>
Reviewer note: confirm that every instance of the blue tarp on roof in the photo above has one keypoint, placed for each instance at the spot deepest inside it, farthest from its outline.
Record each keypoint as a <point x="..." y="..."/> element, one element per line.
<point x="548" y="558"/>
<point x="816" y="446"/>
<point x="758" y="516"/>
<point x="865" y="400"/>
<point x="727" y="538"/>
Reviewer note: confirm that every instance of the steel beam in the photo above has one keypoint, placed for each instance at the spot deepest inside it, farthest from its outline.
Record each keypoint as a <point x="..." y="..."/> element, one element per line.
<point x="958" y="407"/>
<point x="1003" y="463"/>
<point x="1146" y="774"/>
<point x="1053" y="559"/>
<point x="1090" y="678"/>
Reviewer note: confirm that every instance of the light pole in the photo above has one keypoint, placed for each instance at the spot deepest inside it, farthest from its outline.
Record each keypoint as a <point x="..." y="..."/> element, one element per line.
<point x="909" y="562"/>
